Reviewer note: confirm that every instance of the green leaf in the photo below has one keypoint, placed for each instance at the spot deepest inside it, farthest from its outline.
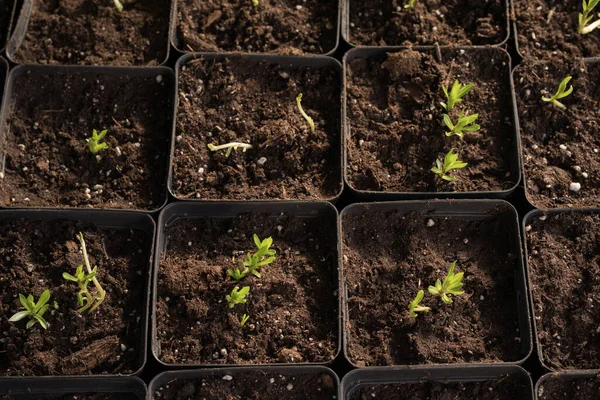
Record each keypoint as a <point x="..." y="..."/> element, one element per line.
<point x="69" y="277"/>
<point x="30" y="323"/>
<point x="257" y="241"/>
<point x="25" y="302"/>
<point x="19" y="316"/>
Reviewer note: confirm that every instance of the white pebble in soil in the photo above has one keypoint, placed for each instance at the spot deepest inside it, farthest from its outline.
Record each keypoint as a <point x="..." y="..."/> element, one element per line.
<point x="575" y="186"/>
<point x="227" y="377"/>
<point x="261" y="160"/>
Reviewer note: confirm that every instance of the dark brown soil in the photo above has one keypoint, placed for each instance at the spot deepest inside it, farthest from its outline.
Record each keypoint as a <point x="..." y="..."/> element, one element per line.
<point x="48" y="163"/>
<point x="293" y="308"/>
<point x="560" y="147"/>
<point x="564" y="273"/>
<point x="581" y="389"/>
<point x="74" y="396"/>
<point x="274" y="26"/>
<point x="6" y="7"/>
<point x="389" y="256"/>
<point x="34" y="255"/>
<point x="446" y="22"/>
<point x="243" y="100"/>
<point x="505" y="388"/>
<point x="91" y="32"/>
<point x="396" y="121"/>
<point x="546" y="28"/>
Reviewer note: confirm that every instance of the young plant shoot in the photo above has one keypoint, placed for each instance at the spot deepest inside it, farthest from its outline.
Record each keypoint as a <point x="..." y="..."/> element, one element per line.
<point x="94" y="142"/>
<point x="236" y="274"/>
<point x="451" y="285"/>
<point x="561" y="93"/>
<point x="451" y="162"/>
<point x="118" y="5"/>
<point x="414" y="306"/>
<point x="410" y="4"/>
<point x="34" y="311"/>
<point x="230" y="147"/>
<point x="457" y="92"/>
<point x="85" y="299"/>
<point x="264" y="255"/>
<point x="254" y="3"/>
<point x="237" y="296"/>
<point x="244" y="319"/>
<point x="463" y="125"/>
<point x="308" y="119"/>
<point x="586" y="17"/>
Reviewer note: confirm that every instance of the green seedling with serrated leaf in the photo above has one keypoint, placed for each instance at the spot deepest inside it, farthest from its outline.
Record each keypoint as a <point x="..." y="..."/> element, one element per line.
<point x="455" y="95"/>
<point x="561" y="93"/>
<point x="244" y="319"/>
<point x="230" y="147"/>
<point x="463" y="125"/>
<point x="33" y="310"/>
<point x="450" y="163"/>
<point x="415" y="306"/>
<point x="85" y="299"/>
<point x="264" y="255"/>
<point x="237" y="296"/>
<point x="94" y="142"/>
<point x="451" y="285"/>
<point x="586" y="17"/>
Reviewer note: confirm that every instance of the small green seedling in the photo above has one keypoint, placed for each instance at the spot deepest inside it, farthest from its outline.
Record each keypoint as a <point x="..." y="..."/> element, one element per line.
<point x="463" y="125"/>
<point x="308" y="119"/>
<point x="118" y="5"/>
<point x="410" y="4"/>
<point x="586" y="17"/>
<point x="230" y="147"/>
<point x="263" y="256"/>
<point x="561" y="93"/>
<point x="94" y="142"/>
<point x="237" y="296"/>
<point x="237" y="275"/>
<point x="254" y="3"/>
<point x="457" y="92"/>
<point x="414" y="306"/>
<point x="85" y="299"/>
<point x="452" y="284"/>
<point x="451" y="162"/>
<point x="34" y="311"/>
<point x="244" y="319"/>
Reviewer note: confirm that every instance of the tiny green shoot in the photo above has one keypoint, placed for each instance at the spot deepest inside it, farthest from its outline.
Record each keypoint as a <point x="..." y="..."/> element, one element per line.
<point x="585" y="18"/>
<point x="236" y="274"/>
<point x="264" y="255"/>
<point x="244" y="319"/>
<point x="230" y="147"/>
<point x="451" y="162"/>
<point x="457" y="92"/>
<point x="410" y="4"/>
<point x="463" y="125"/>
<point x="85" y="299"/>
<point x="561" y="93"/>
<point x="34" y="311"/>
<point x="451" y="285"/>
<point x="308" y="119"/>
<point x="94" y="142"/>
<point x="414" y="306"/>
<point x="237" y="296"/>
<point x="254" y="3"/>
<point x="118" y="5"/>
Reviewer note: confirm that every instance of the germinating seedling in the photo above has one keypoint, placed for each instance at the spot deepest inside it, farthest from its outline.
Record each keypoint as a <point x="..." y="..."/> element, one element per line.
<point x="414" y="306"/>
<point x="586" y="17"/>
<point x="463" y="125"/>
<point x="264" y="255"/>
<point x="237" y="296"/>
<point x="85" y="299"/>
<point x="410" y="4"/>
<point x="244" y="319"/>
<point x="34" y="311"/>
<point x="308" y="119"/>
<point x="236" y="274"/>
<point x="118" y="5"/>
<point x="230" y="147"/>
<point x="94" y="142"/>
<point x="561" y="93"/>
<point x="254" y="3"/>
<point x="451" y="162"/>
<point x="451" y="285"/>
<point x="457" y="92"/>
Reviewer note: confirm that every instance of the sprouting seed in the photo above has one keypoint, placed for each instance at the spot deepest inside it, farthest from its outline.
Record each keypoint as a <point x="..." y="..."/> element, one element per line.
<point x="118" y="5"/>
<point x="585" y="18"/>
<point x="561" y="93"/>
<point x="308" y="119"/>
<point x="230" y="147"/>
<point x="451" y="162"/>
<point x="94" y="142"/>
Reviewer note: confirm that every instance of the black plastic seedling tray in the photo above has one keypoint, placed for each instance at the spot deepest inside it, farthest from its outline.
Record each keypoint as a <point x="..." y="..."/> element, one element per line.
<point x="34" y="388"/>
<point x="399" y="375"/>
<point x="563" y="377"/>
<point x="200" y="211"/>
<point x="166" y="377"/>
<point x="3" y="77"/>
<point x="471" y="210"/>
<point x="294" y="62"/>
<point x="124" y="220"/>
<point x="8" y="28"/>
<point x="380" y="53"/>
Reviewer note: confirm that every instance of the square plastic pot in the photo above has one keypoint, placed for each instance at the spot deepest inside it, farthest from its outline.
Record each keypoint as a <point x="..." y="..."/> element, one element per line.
<point x="295" y="62"/>
<point x="564" y="377"/>
<point x="379" y="53"/>
<point x="33" y="388"/>
<point x="166" y="377"/>
<point x="469" y="210"/>
<point x="220" y="210"/>
<point x="399" y="375"/>
<point x="124" y="220"/>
